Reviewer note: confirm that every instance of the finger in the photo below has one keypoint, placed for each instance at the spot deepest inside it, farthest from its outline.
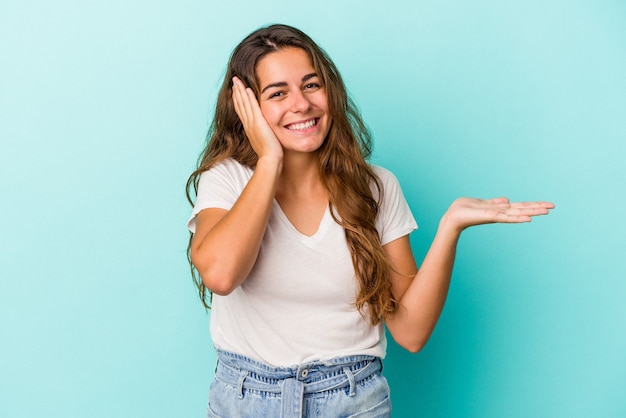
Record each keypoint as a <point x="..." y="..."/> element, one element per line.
<point x="249" y="102"/>
<point x="241" y="100"/>
<point x="237" y="100"/>
<point x="253" y="104"/>
<point x="527" y="211"/>
<point x="510" y="219"/>
<point x="498" y="200"/>
<point x="547" y="205"/>
<point x="245" y="102"/>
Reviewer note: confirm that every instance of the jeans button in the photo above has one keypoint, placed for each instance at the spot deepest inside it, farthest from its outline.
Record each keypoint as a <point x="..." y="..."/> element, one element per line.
<point x="304" y="373"/>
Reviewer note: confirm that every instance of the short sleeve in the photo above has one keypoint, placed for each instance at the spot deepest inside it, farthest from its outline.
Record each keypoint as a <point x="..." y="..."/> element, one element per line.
<point x="219" y="187"/>
<point x="395" y="218"/>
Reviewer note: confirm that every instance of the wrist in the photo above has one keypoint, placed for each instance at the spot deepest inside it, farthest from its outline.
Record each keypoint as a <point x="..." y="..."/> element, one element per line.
<point x="448" y="226"/>
<point x="268" y="163"/>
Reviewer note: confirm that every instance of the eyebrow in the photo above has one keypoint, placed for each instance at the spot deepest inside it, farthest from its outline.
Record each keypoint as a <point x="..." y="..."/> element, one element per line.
<point x="284" y="83"/>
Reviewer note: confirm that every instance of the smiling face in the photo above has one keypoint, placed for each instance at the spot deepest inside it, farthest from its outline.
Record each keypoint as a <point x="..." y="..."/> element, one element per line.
<point x="293" y="99"/>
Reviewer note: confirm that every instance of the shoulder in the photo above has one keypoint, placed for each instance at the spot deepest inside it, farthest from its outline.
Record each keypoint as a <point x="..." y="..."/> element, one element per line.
<point x="382" y="173"/>
<point x="226" y="178"/>
<point x="387" y="179"/>
<point x="394" y="218"/>
<point x="228" y="169"/>
<point x="229" y="165"/>
<point x="219" y="187"/>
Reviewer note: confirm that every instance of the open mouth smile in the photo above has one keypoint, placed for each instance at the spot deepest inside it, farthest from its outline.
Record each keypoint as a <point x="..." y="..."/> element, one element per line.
<point x="302" y="126"/>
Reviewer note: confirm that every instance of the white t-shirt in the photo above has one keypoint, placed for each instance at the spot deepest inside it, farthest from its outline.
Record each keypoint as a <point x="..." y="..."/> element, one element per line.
<point x="297" y="304"/>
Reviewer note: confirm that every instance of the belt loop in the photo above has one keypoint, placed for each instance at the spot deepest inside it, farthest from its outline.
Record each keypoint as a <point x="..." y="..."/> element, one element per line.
<point x="350" y="375"/>
<point x="292" y="398"/>
<point x="242" y="377"/>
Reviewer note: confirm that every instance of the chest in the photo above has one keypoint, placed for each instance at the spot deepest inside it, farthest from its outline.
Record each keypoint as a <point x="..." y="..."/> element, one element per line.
<point x="302" y="269"/>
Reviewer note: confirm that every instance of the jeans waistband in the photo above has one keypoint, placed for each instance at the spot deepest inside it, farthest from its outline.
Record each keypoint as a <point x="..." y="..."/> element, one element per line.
<point x="314" y="377"/>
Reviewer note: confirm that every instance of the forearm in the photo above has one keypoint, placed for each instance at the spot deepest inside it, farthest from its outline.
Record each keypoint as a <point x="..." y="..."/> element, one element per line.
<point x="423" y="301"/>
<point x="225" y="253"/>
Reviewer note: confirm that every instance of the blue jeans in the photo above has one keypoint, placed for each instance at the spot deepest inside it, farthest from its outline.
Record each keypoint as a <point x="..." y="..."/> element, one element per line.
<point x="347" y="387"/>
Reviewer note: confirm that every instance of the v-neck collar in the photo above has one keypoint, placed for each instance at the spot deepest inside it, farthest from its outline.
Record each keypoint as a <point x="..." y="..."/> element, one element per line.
<point x="326" y="221"/>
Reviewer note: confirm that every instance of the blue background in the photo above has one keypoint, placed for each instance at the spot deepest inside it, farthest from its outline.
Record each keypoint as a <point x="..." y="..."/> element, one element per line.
<point x="103" y="111"/>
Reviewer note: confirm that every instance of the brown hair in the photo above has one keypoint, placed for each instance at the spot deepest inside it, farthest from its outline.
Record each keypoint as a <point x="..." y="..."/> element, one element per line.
<point x="343" y="169"/>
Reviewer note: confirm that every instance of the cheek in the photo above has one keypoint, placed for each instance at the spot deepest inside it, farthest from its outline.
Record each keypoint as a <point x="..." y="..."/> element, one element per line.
<point x="322" y="99"/>
<point x="271" y="114"/>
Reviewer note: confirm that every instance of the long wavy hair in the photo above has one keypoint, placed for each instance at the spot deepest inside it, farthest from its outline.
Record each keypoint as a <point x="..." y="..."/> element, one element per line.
<point x="343" y="169"/>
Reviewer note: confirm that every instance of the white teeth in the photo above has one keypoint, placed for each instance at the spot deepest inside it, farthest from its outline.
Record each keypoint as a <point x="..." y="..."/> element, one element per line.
<point x="301" y="126"/>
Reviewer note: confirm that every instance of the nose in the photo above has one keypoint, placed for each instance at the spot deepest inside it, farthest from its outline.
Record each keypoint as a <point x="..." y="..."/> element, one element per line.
<point x="299" y="102"/>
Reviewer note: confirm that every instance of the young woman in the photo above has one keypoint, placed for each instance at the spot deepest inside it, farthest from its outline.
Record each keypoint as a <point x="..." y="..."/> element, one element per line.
<point x="304" y="246"/>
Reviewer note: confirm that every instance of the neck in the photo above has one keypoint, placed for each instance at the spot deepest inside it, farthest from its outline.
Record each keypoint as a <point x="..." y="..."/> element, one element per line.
<point x="300" y="175"/>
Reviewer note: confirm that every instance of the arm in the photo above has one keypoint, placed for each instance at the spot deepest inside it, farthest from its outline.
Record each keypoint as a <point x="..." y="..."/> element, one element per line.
<point x="422" y="298"/>
<point x="226" y="243"/>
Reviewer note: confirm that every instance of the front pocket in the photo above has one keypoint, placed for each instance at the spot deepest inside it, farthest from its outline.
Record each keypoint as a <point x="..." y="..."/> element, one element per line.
<point x="380" y="410"/>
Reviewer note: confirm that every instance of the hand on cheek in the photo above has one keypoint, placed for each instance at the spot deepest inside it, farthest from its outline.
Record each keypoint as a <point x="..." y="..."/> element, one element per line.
<point x="258" y="131"/>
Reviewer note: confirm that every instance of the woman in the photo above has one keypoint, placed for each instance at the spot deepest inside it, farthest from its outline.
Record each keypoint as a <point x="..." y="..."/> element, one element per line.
<point x="304" y="246"/>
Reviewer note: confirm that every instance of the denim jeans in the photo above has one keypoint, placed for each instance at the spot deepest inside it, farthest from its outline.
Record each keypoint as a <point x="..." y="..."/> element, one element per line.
<point x="347" y="387"/>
